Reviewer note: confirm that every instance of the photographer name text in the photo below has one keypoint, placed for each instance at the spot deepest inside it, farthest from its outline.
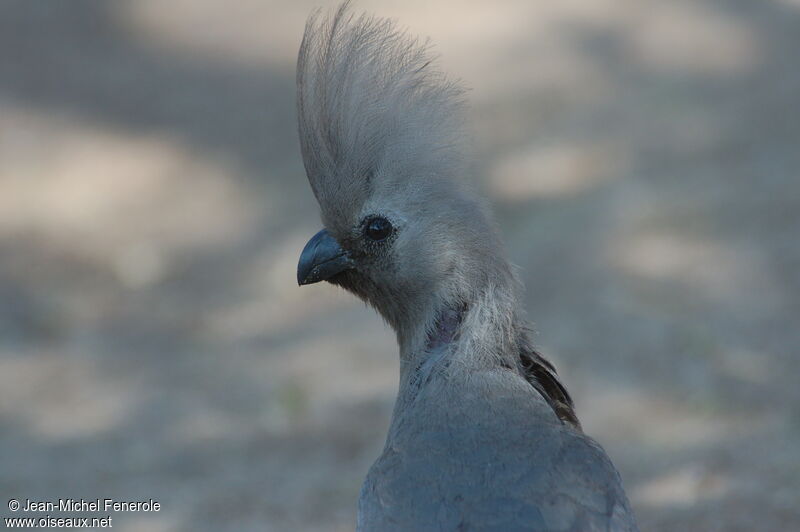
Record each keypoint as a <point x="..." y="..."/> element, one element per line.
<point x="91" y="505"/>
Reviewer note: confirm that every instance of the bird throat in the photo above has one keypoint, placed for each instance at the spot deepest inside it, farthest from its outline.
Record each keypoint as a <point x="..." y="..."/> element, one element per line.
<point x="443" y="333"/>
<point x="445" y="329"/>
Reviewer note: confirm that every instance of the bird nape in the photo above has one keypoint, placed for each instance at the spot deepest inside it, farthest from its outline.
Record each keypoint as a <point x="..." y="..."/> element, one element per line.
<point x="483" y="435"/>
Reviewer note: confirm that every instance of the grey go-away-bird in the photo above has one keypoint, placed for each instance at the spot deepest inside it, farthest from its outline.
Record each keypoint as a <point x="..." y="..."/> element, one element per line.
<point x="483" y="435"/>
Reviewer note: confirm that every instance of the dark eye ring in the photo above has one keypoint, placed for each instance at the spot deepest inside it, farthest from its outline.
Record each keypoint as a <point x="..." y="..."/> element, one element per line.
<point x="378" y="229"/>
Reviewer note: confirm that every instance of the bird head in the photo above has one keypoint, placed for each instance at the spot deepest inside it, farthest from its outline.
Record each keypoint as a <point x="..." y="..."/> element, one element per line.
<point x="382" y="138"/>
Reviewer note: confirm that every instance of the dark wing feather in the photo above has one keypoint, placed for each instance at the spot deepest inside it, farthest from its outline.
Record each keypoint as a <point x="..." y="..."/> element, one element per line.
<point x="538" y="371"/>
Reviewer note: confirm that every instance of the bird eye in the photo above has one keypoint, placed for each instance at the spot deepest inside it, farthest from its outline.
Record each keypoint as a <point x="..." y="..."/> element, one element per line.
<point x="378" y="229"/>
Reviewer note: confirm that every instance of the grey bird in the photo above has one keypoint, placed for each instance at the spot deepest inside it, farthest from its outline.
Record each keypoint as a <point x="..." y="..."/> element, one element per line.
<point x="483" y="435"/>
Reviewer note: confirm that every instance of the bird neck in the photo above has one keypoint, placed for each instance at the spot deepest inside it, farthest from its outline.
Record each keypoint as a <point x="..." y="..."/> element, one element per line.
<point x="479" y="334"/>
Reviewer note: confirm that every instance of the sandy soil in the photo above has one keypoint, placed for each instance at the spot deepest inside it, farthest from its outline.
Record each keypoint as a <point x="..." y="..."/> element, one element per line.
<point x="643" y="161"/>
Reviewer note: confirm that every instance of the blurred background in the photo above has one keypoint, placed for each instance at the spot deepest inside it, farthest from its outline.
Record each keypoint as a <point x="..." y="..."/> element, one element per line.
<point x="643" y="159"/>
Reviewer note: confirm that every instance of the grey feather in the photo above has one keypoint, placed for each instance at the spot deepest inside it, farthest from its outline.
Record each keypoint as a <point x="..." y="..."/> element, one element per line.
<point x="484" y="435"/>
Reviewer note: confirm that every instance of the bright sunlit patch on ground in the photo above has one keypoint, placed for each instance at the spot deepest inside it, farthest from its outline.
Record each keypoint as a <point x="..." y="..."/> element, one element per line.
<point x="690" y="37"/>
<point x="685" y="487"/>
<point x="555" y="170"/>
<point x="121" y="199"/>
<point x="657" y="421"/>
<point x="90" y="178"/>
<point x="251" y="33"/>
<point x="62" y="397"/>
<point x="714" y="269"/>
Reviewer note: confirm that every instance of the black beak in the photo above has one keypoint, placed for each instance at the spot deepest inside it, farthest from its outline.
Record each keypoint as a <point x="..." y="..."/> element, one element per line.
<point x="321" y="259"/>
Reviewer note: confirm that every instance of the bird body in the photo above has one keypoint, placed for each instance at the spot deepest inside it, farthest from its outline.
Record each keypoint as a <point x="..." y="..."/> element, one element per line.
<point x="483" y="434"/>
<point x="501" y="461"/>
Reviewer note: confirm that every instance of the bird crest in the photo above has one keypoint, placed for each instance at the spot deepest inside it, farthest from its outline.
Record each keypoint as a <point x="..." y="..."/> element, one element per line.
<point x="373" y="110"/>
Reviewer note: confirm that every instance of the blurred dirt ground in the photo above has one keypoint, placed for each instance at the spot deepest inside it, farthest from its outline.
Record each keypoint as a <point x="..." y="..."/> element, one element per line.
<point x="643" y="159"/>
